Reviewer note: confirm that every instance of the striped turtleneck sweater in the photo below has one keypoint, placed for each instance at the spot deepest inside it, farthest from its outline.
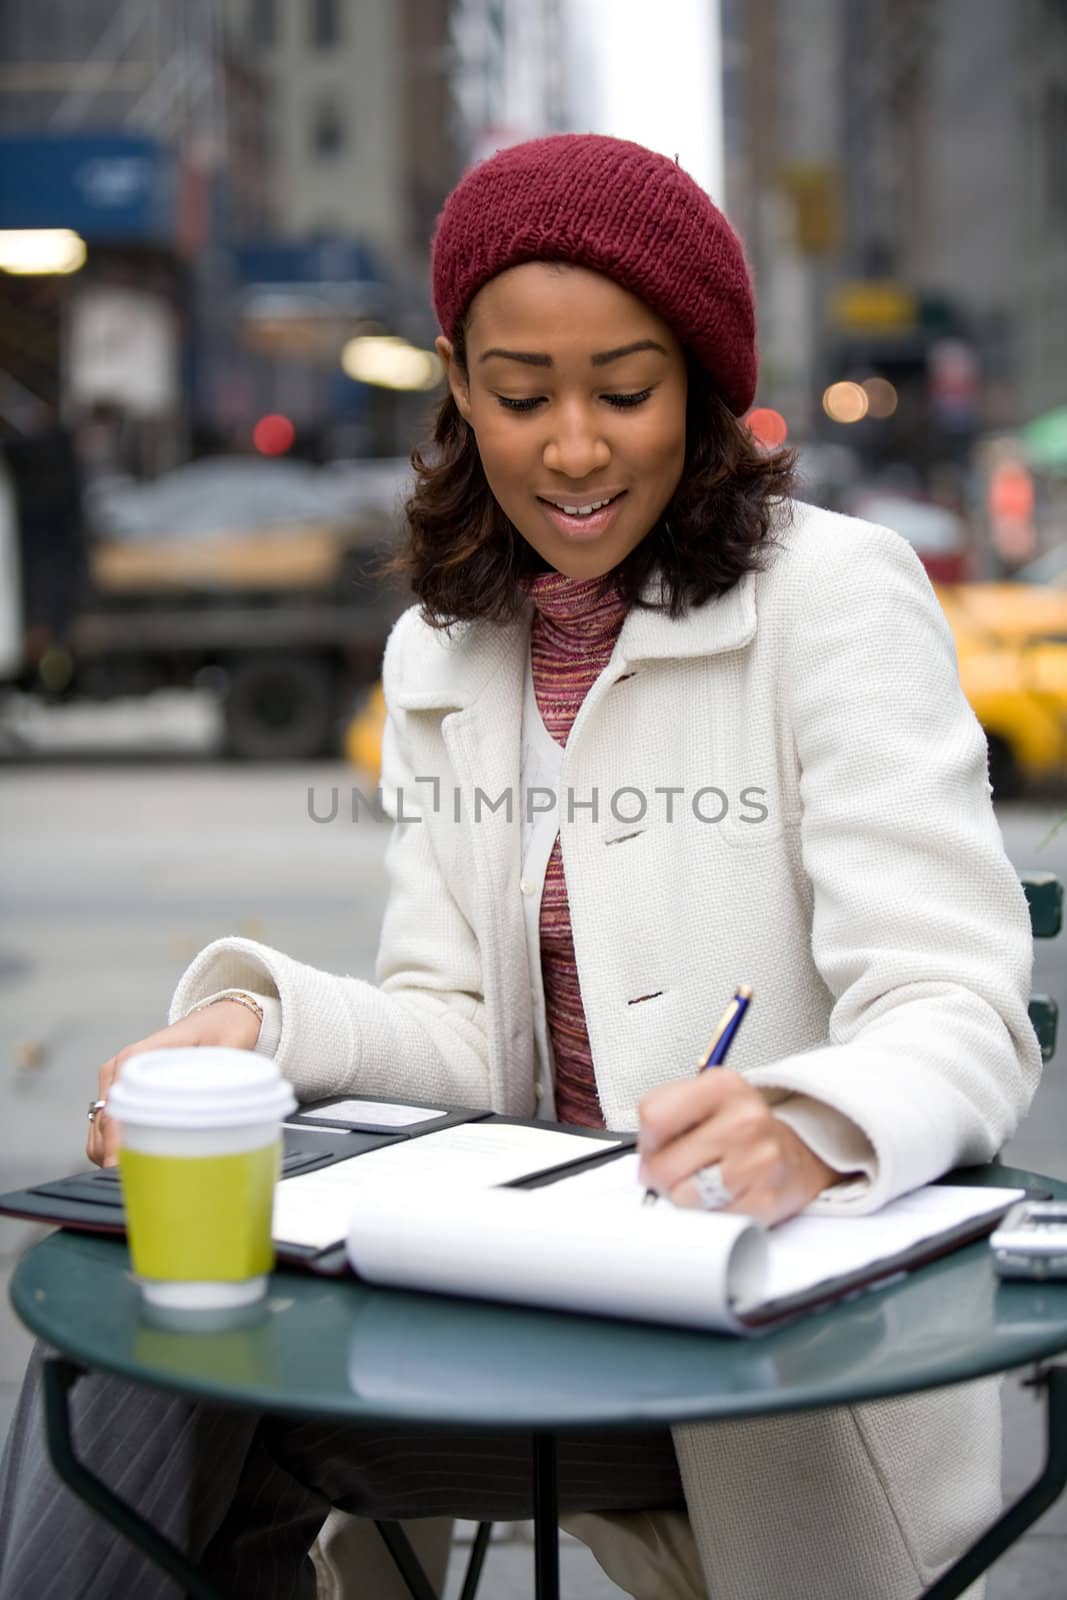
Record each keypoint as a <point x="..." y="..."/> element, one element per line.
<point x="573" y="634"/>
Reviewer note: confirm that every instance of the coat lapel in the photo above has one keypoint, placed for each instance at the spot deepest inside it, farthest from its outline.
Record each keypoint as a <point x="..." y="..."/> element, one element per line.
<point x="479" y="664"/>
<point x="725" y="623"/>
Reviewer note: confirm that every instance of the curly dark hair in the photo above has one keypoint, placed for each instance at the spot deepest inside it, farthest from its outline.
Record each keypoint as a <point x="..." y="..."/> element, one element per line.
<point x="465" y="561"/>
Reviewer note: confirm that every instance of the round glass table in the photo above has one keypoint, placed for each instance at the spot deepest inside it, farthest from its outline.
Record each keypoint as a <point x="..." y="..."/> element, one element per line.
<point x="340" y="1349"/>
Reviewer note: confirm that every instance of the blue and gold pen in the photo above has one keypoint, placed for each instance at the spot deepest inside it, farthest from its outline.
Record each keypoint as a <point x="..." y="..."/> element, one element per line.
<point x="721" y="1040"/>
<point x="729" y="1023"/>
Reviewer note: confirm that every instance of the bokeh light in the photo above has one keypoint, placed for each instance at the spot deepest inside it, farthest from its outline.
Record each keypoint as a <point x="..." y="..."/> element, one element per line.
<point x="56" y="669"/>
<point x="391" y="363"/>
<point x="845" y="402"/>
<point x="273" y="434"/>
<point x="32" y="252"/>
<point x="767" y="426"/>
<point x="1011" y="491"/>
<point x="881" y="397"/>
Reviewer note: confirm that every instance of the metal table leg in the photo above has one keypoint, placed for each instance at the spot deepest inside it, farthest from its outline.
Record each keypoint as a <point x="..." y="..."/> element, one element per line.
<point x="1018" y="1517"/>
<point x="546" y="1518"/>
<point x="410" y="1568"/>
<point x="59" y="1377"/>
<point x="476" y="1561"/>
<point x="406" y="1561"/>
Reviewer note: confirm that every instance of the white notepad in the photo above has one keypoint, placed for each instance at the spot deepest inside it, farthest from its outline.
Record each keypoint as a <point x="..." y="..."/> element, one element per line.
<point x="376" y="1112"/>
<point x="586" y="1243"/>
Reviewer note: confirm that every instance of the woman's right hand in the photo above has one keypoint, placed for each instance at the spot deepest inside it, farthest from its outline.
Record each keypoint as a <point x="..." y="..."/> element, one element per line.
<point x="225" y="1022"/>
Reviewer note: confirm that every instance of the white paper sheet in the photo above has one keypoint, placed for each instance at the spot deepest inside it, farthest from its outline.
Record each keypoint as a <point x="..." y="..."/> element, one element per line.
<point x="659" y="1264"/>
<point x="384" y="1116"/>
<point x="314" y="1208"/>
<point x="807" y="1250"/>
<point x="586" y="1243"/>
<point x="613" y="1186"/>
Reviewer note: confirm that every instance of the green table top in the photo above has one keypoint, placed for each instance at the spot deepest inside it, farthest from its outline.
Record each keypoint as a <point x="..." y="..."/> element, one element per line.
<point x="343" y="1349"/>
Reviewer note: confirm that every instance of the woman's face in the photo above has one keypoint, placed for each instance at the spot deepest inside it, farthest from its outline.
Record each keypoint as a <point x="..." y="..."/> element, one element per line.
<point x="576" y="394"/>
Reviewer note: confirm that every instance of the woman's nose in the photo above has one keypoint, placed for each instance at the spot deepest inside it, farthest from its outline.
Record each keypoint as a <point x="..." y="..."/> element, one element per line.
<point x="576" y="449"/>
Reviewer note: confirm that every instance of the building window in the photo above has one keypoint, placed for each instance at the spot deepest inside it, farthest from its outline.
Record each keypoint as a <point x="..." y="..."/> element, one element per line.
<point x="262" y="24"/>
<point x="325" y="24"/>
<point x="327" y="130"/>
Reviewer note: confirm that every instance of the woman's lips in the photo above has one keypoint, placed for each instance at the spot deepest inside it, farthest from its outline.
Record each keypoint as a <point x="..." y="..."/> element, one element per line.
<point x="575" y="527"/>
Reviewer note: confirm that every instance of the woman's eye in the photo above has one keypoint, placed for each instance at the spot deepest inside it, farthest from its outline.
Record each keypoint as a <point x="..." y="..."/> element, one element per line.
<point x="622" y="401"/>
<point x="519" y="405"/>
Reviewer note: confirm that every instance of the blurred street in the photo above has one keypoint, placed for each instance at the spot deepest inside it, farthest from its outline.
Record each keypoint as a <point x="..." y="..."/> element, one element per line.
<point x="117" y="874"/>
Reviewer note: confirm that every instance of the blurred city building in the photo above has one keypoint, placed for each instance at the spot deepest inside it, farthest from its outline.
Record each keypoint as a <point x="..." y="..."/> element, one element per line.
<point x="252" y="185"/>
<point x="508" y="72"/>
<point x="137" y="130"/>
<point x="363" y="143"/>
<point x="375" y="109"/>
<point x="214" y="230"/>
<point x="897" y="169"/>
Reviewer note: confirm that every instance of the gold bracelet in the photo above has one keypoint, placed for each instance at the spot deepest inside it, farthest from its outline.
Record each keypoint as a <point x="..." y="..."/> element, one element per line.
<point x="239" y="998"/>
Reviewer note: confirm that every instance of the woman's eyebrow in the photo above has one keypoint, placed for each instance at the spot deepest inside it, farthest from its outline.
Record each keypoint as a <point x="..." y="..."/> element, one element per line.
<point x="605" y="356"/>
<point x="528" y="357"/>
<point x="531" y="358"/>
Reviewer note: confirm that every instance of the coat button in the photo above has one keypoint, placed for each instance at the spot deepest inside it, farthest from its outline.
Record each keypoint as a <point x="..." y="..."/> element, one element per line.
<point x="525" y="886"/>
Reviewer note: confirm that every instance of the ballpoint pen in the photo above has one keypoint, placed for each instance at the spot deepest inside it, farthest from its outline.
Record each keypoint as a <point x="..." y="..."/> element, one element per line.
<point x="716" y="1053"/>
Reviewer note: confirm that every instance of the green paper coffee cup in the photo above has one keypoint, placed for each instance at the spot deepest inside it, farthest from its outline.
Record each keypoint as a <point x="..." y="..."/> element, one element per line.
<point x="199" y="1154"/>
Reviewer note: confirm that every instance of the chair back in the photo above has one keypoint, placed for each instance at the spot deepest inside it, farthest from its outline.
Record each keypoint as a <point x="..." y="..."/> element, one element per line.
<point x="1044" y="896"/>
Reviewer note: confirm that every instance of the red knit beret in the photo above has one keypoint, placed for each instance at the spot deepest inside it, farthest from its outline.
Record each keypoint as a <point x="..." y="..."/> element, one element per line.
<point x="621" y="210"/>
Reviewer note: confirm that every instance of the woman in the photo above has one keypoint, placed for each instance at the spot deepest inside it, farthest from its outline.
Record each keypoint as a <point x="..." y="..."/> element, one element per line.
<point x="758" y="765"/>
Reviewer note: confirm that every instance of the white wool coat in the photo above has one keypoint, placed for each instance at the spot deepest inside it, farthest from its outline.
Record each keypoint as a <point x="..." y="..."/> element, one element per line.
<point x="856" y="878"/>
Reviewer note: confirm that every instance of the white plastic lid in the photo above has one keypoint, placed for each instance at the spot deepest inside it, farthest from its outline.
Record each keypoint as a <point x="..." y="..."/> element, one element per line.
<point x="207" y="1086"/>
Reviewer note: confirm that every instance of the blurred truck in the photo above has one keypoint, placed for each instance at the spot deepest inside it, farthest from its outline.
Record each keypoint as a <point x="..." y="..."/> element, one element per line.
<point x="258" y="580"/>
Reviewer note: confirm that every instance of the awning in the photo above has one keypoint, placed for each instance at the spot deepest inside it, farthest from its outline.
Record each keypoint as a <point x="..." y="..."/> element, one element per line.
<point x="115" y="188"/>
<point x="1045" y="441"/>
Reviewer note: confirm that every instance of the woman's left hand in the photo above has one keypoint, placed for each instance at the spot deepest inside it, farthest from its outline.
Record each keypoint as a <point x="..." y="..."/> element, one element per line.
<point x="719" y="1118"/>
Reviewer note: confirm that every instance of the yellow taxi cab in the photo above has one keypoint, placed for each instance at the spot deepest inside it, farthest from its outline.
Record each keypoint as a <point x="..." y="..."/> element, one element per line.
<point x="1011" y="637"/>
<point x="1011" y="642"/>
<point x="363" y="736"/>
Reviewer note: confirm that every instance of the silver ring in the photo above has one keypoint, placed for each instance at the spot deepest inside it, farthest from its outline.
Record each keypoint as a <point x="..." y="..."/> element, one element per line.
<point x="95" y="1106"/>
<point x="709" y="1186"/>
